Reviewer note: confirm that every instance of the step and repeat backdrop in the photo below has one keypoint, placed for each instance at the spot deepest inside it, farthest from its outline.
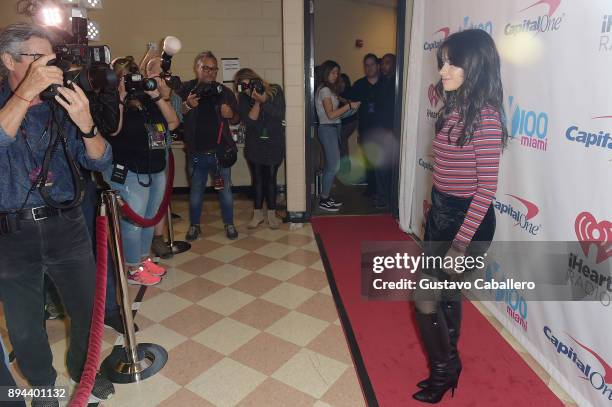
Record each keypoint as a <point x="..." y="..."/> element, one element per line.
<point x="555" y="181"/>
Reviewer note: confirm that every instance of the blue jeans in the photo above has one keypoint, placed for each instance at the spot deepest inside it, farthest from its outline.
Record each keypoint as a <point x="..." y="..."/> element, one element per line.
<point x="199" y="166"/>
<point x="329" y="137"/>
<point x="144" y="201"/>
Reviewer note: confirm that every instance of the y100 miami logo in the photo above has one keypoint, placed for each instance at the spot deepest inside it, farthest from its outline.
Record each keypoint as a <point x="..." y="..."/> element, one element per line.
<point x="531" y="126"/>
<point x="523" y="217"/>
<point x="605" y="41"/>
<point x="599" y="375"/>
<point x="588" y="137"/>
<point x="516" y="306"/>
<point x="440" y="34"/>
<point x="545" y="22"/>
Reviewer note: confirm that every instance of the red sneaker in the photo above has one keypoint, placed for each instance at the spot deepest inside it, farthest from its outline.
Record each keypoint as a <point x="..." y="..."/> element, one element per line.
<point x="153" y="268"/>
<point x="142" y="277"/>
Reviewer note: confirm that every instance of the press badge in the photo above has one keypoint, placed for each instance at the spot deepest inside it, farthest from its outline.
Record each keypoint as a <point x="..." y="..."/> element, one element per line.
<point x="35" y="173"/>
<point x="119" y="173"/>
<point x="156" y="133"/>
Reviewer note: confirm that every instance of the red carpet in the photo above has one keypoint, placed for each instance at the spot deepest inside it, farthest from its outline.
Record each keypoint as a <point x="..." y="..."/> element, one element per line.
<point x="388" y="353"/>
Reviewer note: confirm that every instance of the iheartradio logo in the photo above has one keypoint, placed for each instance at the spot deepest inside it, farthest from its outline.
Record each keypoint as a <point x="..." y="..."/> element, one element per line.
<point x="590" y="232"/>
<point x="426" y="208"/>
<point x="432" y="96"/>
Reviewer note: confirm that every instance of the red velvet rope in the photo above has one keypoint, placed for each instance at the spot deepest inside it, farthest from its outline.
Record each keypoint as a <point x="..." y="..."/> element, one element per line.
<point x="163" y="208"/>
<point x="81" y="396"/>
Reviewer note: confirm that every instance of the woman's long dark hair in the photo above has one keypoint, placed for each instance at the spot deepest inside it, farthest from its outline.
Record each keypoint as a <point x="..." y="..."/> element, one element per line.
<point x="474" y="51"/>
<point x="326" y="68"/>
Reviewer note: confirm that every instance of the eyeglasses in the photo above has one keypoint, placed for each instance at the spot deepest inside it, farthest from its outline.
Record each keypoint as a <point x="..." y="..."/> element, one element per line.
<point x="209" y="69"/>
<point x="35" y="56"/>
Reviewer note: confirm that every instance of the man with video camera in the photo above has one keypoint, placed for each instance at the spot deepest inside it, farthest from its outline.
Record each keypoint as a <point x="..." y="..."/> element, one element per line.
<point x="42" y="228"/>
<point x="208" y="110"/>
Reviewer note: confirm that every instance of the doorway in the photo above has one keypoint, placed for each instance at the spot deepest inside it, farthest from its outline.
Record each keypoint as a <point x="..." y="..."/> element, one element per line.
<point x="345" y="31"/>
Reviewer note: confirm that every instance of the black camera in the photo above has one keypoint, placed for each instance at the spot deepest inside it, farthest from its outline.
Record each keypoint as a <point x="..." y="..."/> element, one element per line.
<point x="87" y="66"/>
<point x="255" y="84"/>
<point x="136" y="84"/>
<point x="208" y="89"/>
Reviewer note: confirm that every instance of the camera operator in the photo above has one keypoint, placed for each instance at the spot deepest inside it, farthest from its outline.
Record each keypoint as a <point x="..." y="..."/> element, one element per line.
<point x="36" y="238"/>
<point x="208" y="108"/>
<point x="262" y="109"/>
<point x="139" y="164"/>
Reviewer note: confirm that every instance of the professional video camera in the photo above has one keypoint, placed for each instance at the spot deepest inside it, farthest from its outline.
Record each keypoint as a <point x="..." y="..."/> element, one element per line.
<point x="172" y="45"/>
<point x="136" y="84"/>
<point x="87" y="66"/>
<point x="208" y="89"/>
<point x="255" y="84"/>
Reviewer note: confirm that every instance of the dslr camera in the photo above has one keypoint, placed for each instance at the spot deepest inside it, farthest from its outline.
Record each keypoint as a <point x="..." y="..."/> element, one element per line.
<point x="136" y="84"/>
<point x="87" y="66"/>
<point x="208" y="89"/>
<point x="255" y="84"/>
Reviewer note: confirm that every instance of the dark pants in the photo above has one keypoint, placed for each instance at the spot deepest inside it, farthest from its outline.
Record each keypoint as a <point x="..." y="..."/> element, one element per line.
<point x="6" y="380"/>
<point x="264" y="184"/>
<point x="365" y="139"/>
<point x="60" y="247"/>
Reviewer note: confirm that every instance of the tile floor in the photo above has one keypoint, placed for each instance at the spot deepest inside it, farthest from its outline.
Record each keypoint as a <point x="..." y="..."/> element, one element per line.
<point x="245" y="323"/>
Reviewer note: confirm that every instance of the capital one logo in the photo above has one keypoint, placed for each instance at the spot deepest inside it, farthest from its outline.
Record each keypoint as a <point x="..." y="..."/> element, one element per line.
<point x="592" y="233"/>
<point x="546" y="22"/>
<point x="430" y="46"/>
<point x="599" y="381"/>
<point x="523" y="217"/>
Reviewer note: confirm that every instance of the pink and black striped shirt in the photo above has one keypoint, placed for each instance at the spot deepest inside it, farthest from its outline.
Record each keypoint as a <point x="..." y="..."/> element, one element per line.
<point x="471" y="170"/>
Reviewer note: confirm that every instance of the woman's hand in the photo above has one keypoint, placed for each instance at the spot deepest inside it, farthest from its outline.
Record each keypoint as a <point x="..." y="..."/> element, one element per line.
<point x="354" y="105"/>
<point x="77" y="106"/>
<point x="259" y="98"/>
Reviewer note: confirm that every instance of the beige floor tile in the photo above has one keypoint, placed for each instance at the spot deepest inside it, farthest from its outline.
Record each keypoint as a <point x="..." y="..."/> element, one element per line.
<point x="252" y="261"/>
<point x="222" y="238"/>
<point x="310" y="372"/>
<point x="320" y="403"/>
<point x="192" y="320"/>
<point x="226" y="274"/>
<point x="320" y="306"/>
<point x="226" y="336"/>
<point x="196" y="289"/>
<point x="174" y="278"/>
<point x="184" y="397"/>
<point x="272" y="393"/>
<point x="311" y="247"/>
<point x="346" y="391"/>
<point x="226" y="301"/>
<point x="281" y="270"/>
<point x="332" y="343"/>
<point x="318" y="266"/>
<point x="260" y="314"/>
<point x="250" y="244"/>
<point x="306" y="230"/>
<point x="162" y="306"/>
<point x="160" y="335"/>
<point x="226" y="383"/>
<point x="200" y="265"/>
<point x="275" y="250"/>
<point x="296" y="240"/>
<point x="302" y="257"/>
<point x="288" y="295"/>
<point x="189" y="360"/>
<point x="179" y="259"/>
<point x="326" y="291"/>
<point x="310" y="278"/>
<point x="147" y="393"/>
<point x="269" y="234"/>
<point x="256" y="284"/>
<point x="226" y="253"/>
<point x="297" y="328"/>
<point x="204" y="246"/>
<point x="265" y="353"/>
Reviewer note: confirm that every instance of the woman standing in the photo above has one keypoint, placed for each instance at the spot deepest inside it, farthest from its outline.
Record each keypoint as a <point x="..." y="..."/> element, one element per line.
<point x="326" y="102"/>
<point x="470" y="135"/>
<point x="139" y="165"/>
<point x="349" y="125"/>
<point x="262" y="109"/>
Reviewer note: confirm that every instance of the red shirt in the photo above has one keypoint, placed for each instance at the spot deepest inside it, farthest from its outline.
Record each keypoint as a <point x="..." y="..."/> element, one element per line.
<point x="471" y="170"/>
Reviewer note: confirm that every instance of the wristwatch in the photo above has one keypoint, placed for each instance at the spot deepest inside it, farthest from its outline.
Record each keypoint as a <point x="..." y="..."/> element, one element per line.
<point x="92" y="133"/>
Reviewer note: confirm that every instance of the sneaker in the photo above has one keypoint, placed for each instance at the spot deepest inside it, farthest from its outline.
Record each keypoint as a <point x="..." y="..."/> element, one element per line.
<point x="326" y="205"/>
<point x="45" y="403"/>
<point x="335" y="203"/>
<point x="52" y="311"/>
<point x="142" y="277"/>
<point x="153" y="268"/>
<point x="231" y="232"/>
<point x="102" y="390"/>
<point x="160" y="248"/>
<point x="115" y="322"/>
<point x="193" y="233"/>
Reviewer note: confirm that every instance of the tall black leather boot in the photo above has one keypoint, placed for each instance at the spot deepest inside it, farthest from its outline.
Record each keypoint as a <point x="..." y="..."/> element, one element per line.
<point x="442" y="375"/>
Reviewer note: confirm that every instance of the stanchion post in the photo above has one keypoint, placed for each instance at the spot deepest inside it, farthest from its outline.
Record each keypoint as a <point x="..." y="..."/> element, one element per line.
<point x="177" y="246"/>
<point x="132" y="362"/>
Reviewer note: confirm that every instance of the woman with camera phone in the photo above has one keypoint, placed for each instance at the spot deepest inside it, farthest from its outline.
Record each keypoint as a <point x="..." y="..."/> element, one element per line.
<point x="139" y="163"/>
<point x="261" y="106"/>
<point x="330" y="124"/>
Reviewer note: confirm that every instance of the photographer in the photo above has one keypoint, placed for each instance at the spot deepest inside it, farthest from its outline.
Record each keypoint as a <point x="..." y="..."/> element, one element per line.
<point x="262" y="109"/>
<point x="208" y="110"/>
<point x="139" y="164"/>
<point x="36" y="238"/>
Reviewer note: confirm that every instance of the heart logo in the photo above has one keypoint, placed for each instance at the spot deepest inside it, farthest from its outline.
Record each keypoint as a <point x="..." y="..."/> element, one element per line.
<point x="589" y="232"/>
<point x="432" y="95"/>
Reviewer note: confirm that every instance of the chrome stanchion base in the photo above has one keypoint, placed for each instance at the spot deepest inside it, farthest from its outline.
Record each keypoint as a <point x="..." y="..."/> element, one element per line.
<point x="179" y="246"/>
<point x="151" y="359"/>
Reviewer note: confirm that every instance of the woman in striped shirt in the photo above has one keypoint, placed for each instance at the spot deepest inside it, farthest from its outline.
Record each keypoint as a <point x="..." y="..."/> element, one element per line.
<point x="470" y="135"/>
